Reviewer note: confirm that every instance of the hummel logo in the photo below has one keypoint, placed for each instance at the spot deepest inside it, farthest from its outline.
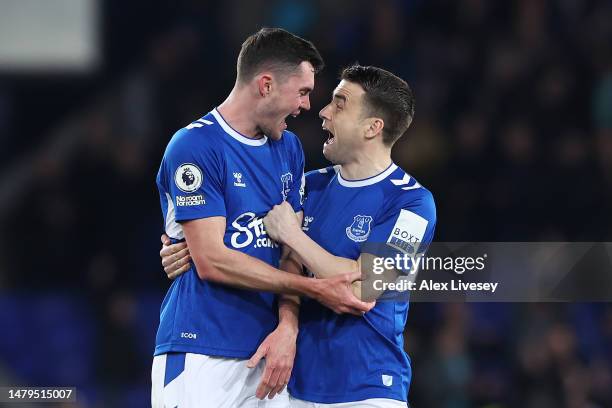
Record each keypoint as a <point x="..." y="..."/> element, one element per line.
<point x="404" y="181"/>
<point x="238" y="180"/>
<point x="198" y="124"/>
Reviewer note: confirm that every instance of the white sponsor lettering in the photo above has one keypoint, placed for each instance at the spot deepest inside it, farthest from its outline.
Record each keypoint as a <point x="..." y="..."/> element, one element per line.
<point x="187" y="335"/>
<point x="307" y="221"/>
<point x="408" y="232"/>
<point x="188" y="201"/>
<point x="250" y="229"/>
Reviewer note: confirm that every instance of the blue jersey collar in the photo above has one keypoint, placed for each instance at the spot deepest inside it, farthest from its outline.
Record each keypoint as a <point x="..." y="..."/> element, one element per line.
<point x="367" y="181"/>
<point x="236" y="135"/>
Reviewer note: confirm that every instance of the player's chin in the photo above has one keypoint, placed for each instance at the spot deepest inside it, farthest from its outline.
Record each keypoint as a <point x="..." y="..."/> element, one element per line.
<point x="328" y="152"/>
<point x="276" y="133"/>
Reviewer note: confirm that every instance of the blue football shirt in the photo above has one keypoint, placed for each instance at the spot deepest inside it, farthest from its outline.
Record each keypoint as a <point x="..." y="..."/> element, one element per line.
<point x="343" y="358"/>
<point x="209" y="169"/>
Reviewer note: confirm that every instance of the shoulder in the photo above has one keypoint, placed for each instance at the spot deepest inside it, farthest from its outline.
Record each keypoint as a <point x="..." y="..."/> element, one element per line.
<point x="402" y="191"/>
<point x="201" y="135"/>
<point x="320" y="176"/>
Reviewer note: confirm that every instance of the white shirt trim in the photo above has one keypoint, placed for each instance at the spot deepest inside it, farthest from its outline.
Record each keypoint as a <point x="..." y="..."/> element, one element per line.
<point x="241" y="138"/>
<point x="173" y="228"/>
<point x="368" y="181"/>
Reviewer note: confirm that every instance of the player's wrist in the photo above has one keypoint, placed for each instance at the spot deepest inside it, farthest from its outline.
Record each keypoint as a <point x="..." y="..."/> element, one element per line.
<point x="313" y="288"/>
<point x="291" y="237"/>
<point x="288" y="327"/>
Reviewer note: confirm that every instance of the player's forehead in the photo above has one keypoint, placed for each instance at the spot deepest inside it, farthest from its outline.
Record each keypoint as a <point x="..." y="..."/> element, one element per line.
<point x="348" y="91"/>
<point x="304" y="76"/>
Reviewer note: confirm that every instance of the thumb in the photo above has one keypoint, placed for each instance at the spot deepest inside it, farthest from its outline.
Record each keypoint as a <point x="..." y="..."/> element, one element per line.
<point x="165" y="240"/>
<point x="259" y="354"/>
<point x="354" y="276"/>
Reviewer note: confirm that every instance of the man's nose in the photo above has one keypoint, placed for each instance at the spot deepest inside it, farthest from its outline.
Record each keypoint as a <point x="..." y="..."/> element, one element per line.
<point x="323" y="113"/>
<point x="305" y="102"/>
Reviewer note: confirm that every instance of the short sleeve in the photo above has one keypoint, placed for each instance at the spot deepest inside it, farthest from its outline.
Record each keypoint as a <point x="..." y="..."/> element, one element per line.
<point x="407" y="228"/>
<point x="194" y="173"/>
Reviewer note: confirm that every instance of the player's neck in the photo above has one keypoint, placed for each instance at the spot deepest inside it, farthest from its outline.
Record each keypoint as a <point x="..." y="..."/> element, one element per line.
<point x="365" y="167"/>
<point x="237" y="110"/>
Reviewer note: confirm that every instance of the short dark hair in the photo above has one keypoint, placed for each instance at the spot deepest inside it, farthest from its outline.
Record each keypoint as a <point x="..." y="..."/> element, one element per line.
<point x="277" y="50"/>
<point x="386" y="96"/>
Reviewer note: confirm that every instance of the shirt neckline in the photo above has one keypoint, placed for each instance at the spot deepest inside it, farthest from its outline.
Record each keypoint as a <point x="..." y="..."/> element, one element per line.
<point x="366" y="181"/>
<point x="235" y="134"/>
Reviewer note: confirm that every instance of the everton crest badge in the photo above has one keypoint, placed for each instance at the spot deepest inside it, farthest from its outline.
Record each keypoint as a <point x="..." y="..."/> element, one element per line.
<point x="359" y="230"/>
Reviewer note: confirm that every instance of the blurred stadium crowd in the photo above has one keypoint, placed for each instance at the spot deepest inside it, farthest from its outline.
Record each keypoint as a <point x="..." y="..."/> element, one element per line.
<point x="513" y="135"/>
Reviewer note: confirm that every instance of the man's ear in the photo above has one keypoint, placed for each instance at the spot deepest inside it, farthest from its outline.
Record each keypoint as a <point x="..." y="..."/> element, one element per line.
<point x="264" y="84"/>
<point x="374" y="127"/>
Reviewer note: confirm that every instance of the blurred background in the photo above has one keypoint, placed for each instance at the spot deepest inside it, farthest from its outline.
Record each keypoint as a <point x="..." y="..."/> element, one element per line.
<point x="512" y="134"/>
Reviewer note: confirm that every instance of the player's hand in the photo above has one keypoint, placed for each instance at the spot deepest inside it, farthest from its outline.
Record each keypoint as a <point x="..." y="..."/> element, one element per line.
<point x="337" y="294"/>
<point x="280" y="222"/>
<point x="278" y="349"/>
<point x="175" y="257"/>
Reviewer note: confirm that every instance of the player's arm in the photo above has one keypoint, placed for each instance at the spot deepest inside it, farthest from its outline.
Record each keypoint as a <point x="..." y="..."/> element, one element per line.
<point x="216" y="258"/>
<point x="279" y="347"/>
<point x="217" y="263"/>
<point x="283" y="227"/>
<point x="288" y="308"/>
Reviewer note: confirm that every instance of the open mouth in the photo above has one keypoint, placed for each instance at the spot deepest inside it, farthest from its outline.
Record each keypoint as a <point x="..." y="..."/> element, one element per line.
<point x="330" y="137"/>
<point x="284" y="122"/>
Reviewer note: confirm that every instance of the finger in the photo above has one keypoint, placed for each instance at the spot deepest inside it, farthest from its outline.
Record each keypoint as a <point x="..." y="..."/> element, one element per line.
<point x="180" y="271"/>
<point x="174" y="257"/>
<point x="262" y="390"/>
<point x="165" y="240"/>
<point x="287" y="377"/>
<point x="276" y="390"/>
<point x="275" y="378"/>
<point x="172" y="249"/>
<point x="265" y="385"/>
<point x="182" y="259"/>
<point x="273" y="382"/>
<point x="283" y="379"/>
<point x="259" y="354"/>
<point x="182" y="263"/>
<point x="362" y="307"/>
<point x="354" y="276"/>
<point x="176" y="265"/>
<point x="167" y="251"/>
